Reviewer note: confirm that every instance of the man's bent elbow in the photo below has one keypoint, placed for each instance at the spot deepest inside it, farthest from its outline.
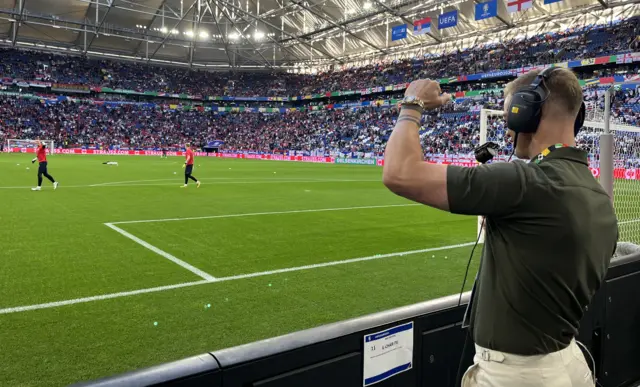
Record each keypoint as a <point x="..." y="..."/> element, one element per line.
<point x="389" y="182"/>
<point x="394" y="182"/>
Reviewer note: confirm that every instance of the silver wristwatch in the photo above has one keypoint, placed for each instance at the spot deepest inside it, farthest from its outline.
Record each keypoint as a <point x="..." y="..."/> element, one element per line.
<point x="412" y="101"/>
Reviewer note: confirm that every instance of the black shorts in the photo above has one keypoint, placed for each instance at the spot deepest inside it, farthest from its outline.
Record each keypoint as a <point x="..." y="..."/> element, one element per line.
<point x="42" y="168"/>
<point x="188" y="169"/>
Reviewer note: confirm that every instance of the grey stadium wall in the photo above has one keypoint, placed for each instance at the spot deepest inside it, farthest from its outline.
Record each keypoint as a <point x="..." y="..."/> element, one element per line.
<point x="333" y="355"/>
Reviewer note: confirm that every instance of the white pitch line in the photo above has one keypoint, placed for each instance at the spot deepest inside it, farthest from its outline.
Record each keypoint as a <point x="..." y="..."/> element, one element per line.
<point x="263" y="213"/>
<point x="228" y="180"/>
<point x="162" y="253"/>
<point x="334" y="263"/>
<point x="56" y="304"/>
<point x="127" y="181"/>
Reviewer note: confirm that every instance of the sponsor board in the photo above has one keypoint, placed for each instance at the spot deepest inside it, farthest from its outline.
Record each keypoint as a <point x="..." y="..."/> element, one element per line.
<point x="618" y="172"/>
<point x="355" y="161"/>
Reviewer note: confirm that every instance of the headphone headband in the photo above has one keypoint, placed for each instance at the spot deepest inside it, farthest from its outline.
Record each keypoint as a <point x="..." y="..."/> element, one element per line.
<point x="543" y="76"/>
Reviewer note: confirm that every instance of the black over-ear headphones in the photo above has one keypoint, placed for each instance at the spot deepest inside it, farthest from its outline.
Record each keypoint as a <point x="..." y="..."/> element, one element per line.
<point x="525" y="110"/>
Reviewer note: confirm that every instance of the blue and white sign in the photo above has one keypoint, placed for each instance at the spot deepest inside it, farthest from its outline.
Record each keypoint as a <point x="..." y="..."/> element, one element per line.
<point x="497" y="74"/>
<point x="487" y="10"/>
<point x="448" y="19"/>
<point x="387" y="353"/>
<point x="399" y="32"/>
<point x="215" y="144"/>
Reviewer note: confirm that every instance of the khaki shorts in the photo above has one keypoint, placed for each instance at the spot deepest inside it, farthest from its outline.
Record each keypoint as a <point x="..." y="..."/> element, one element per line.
<point x="565" y="368"/>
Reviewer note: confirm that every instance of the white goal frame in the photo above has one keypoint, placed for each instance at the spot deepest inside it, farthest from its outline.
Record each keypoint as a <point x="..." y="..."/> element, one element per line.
<point x="485" y="114"/>
<point x="9" y="148"/>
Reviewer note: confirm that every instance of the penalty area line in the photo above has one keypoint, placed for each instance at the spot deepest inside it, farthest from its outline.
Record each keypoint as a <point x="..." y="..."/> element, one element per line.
<point x="266" y="213"/>
<point x="345" y="261"/>
<point x="162" y="253"/>
<point x="57" y="304"/>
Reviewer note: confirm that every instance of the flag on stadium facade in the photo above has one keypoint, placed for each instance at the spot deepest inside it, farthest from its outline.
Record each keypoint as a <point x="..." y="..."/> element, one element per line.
<point x="624" y="58"/>
<point x="399" y="32"/>
<point x="487" y="10"/>
<point x="518" y="5"/>
<point x="448" y="19"/>
<point x="422" y="26"/>
<point x="551" y="1"/>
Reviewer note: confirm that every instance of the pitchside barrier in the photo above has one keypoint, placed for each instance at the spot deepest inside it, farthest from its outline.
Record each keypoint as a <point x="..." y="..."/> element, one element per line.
<point x="416" y="345"/>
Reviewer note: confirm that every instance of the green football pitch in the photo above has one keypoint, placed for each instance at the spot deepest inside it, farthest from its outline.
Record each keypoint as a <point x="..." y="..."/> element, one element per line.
<point x="120" y="268"/>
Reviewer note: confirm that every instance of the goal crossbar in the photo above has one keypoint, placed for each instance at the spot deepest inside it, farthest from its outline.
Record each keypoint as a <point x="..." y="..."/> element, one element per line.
<point x="14" y="144"/>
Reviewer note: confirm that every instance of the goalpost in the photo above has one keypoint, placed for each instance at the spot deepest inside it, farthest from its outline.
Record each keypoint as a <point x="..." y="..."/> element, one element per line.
<point x="23" y="146"/>
<point x="614" y="158"/>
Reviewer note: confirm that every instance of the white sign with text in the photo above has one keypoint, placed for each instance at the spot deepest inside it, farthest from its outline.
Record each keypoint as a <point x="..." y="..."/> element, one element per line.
<point x="387" y="353"/>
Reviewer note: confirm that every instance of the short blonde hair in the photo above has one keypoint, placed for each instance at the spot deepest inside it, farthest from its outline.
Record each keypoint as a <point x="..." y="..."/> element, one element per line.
<point x="565" y="92"/>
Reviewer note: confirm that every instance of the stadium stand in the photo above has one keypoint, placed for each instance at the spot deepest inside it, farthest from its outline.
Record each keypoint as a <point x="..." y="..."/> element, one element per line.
<point x="357" y="131"/>
<point x="577" y="42"/>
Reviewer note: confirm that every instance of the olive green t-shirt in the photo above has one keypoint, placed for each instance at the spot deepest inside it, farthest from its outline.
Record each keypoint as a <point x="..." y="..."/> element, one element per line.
<point x="550" y="233"/>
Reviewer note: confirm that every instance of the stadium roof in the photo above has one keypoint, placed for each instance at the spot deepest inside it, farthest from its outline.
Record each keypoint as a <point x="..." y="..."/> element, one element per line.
<point x="274" y="33"/>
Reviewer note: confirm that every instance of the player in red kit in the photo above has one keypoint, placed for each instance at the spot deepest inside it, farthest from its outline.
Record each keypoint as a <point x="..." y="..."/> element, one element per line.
<point x="188" y="167"/>
<point x="41" y="156"/>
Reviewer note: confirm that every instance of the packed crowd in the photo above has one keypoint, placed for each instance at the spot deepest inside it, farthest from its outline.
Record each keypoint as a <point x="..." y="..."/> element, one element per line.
<point x="139" y="127"/>
<point x="361" y="131"/>
<point x="577" y="42"/>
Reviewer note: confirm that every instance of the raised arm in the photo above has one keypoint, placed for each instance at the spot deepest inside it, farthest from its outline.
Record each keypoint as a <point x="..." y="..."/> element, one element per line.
<point x="495" y="189"/>
<point x="405" y="172"/>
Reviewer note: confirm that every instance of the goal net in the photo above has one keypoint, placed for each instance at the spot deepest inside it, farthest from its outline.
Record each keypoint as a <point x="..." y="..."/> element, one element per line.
<point x="625" y="173"/>
<point x="27" y="146"/>
<point x="626" y="159"/>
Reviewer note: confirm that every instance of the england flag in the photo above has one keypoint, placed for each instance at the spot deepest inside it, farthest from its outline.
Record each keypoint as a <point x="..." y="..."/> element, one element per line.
<point x="519" y="5"/>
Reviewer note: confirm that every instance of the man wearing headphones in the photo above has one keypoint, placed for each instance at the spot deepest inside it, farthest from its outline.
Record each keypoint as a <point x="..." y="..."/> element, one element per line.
<point x="550" y="229"/>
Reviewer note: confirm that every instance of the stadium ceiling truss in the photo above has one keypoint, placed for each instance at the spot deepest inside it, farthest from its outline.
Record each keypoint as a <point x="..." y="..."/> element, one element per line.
<point x="274" y="33"/>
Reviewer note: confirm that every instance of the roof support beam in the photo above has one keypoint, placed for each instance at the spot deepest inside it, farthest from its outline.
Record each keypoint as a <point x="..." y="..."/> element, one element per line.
<point x="17" y="23"/>
<point x="340" y="26"/>
<point x="146" y="30"/>
<point x="301" y="41"/>
<point x="95" y="34"/>
<point x="431" y="6"/>
<point x="493" y="30"/>
<point x="46" y="22"/>
<point x="225" y="13"/>
<point x="169" y="8"/>
<point x="173" y="28"/>
<point x="404" y="18"/>
<point x="224" y="38"/>
<point x="195" y="28"/>
<point x="604" y="3"/>
<point x="544" y="11"/>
